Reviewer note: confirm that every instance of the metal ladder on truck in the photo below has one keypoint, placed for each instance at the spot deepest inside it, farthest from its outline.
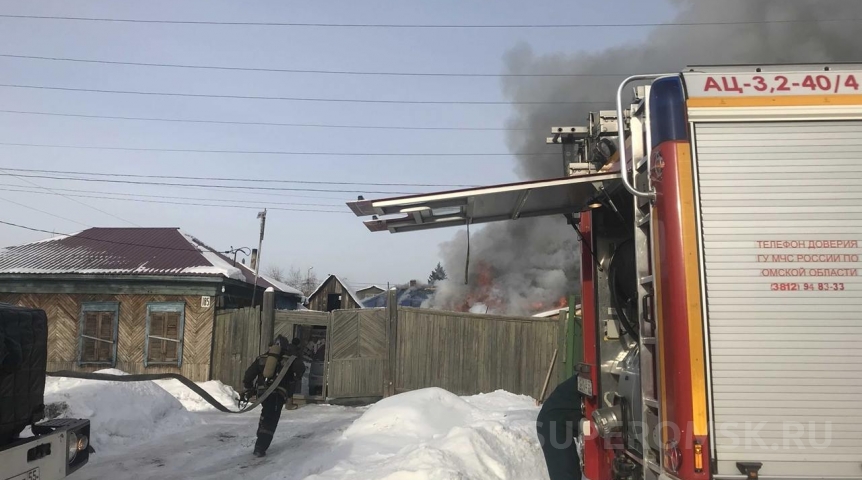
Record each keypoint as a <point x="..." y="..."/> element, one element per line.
<point x="643" y="205"/>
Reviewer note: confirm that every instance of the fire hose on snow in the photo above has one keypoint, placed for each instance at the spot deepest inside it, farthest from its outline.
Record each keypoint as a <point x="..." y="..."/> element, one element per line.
<point x="185" y="381"/>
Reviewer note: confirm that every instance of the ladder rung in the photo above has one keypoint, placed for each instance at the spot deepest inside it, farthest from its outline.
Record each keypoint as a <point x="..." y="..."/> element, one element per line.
<point x="651" y="402"/>
<point x="648" y="340"/>
<point x="645" y="220"/>
<point x="646" y="280"/>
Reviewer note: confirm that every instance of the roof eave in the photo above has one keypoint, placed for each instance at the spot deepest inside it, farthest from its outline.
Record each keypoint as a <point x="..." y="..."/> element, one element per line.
<point x="239" y="283"/>
<point x="101" y="277"/>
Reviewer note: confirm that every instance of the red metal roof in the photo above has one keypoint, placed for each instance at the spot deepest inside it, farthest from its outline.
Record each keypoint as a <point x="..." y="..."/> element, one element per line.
<point x="125" y="251"/>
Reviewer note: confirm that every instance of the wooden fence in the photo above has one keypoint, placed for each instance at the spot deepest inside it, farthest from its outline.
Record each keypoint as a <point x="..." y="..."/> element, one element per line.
<point x="236" y="343"/>
<point x="469" y="354"/>
<point x="372" y="353"/>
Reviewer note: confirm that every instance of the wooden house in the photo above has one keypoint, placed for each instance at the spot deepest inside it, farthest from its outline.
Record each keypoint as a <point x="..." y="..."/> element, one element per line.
<point x="410" y="295"/>
<point x="333" y="294"/>
<point x="369" y="292"/>
<point x="142" y="300"/>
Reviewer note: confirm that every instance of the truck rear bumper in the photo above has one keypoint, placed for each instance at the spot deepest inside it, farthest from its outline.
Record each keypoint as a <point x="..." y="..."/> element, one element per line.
<point x="48" y="455"/>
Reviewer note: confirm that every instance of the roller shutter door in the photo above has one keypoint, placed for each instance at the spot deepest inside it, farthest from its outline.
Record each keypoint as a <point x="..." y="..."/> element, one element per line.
<point x="781" y="208"/>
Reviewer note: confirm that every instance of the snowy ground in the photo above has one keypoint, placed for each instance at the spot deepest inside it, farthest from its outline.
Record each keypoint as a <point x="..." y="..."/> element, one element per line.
<point x="162" y="430"/>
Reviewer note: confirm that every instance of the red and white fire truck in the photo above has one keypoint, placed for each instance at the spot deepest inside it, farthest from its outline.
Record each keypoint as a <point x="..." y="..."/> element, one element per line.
<point x="720" y="213"/>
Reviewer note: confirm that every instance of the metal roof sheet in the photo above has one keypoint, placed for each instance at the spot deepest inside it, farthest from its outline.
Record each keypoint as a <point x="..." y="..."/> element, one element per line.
<point x="125" y="251"/>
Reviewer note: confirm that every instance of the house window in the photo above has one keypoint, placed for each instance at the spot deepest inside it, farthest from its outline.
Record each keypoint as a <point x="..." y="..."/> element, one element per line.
<point x="98" y="333"/>
<point x="165" y="333"/>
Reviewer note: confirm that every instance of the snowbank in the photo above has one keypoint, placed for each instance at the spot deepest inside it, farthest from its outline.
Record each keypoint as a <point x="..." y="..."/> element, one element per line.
<point x="119" y="413"/>
<point x="432" y="434"/>
<point x="192" y="402"/>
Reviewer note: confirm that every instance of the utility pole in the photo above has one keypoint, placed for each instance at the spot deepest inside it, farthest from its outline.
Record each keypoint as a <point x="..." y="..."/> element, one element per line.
<point x="262" y="217"/>
<point x="308" y="284"/>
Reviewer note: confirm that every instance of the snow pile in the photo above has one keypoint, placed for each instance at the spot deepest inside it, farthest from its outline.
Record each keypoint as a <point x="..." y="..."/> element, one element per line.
<point x="119" y="413"/>
<point x="192" y="402"/>
<point x="432" y="434"/>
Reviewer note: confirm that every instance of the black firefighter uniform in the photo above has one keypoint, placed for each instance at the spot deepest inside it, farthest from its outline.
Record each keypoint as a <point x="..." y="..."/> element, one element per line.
<point x="257" y="379"/>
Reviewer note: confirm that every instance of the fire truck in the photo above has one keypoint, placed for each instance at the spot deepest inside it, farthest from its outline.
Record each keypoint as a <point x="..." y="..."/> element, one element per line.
<point x="720" y="216"/>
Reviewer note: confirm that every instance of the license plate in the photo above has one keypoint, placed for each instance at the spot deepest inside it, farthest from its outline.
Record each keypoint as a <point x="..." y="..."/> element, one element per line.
<point x="31" y="475"/>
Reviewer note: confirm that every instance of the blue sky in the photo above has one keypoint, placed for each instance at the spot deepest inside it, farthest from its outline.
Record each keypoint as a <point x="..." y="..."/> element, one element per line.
<point x="330" y="242"/>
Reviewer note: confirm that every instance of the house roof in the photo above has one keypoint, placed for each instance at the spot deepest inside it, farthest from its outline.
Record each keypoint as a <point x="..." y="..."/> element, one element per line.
<point x="126" y="251"/>
<point x="346" y="289"/>
<point x="407" y="296"/>
<point x="378" y="287"/>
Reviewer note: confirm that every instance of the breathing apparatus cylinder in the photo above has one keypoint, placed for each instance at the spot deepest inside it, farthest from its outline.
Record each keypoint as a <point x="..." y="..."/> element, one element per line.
<point x="272" y="357"/>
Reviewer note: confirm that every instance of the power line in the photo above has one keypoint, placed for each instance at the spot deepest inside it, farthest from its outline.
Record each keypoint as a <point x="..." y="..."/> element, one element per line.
<point x="276" y="152"/>
<point x="187" y="203"/>
<point x="236" y="187"/>
<point x="227" y="200"/>
<point x="425" y="26"/>
<point x="267" y="124"/>
<point x="347" y="197"/>
<point x="78" y="235"/>
<point x="20" y="177"/>
<point x="296" y="99"/>
<point x="43" y="211"/>
<point x="229" y="179"/>
<point x="312" y="71"/>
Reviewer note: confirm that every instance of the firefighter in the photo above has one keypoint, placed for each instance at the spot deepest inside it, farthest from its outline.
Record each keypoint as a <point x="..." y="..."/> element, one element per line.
<point x="557" y="427"/>
<point x="259" y="377"/>
<point x="299" y="368"/>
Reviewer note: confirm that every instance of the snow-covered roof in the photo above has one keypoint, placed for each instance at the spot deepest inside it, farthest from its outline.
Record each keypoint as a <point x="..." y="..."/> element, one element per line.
<point x="344" y="285"/>
<point x="370" y="287"/>
<point x="280" y="285"/>
<point x="126" y="251"/>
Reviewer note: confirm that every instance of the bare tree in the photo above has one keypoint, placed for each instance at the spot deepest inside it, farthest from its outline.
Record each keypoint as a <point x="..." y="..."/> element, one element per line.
<point x="304" y="281"/>
<point x="275" y="272"/>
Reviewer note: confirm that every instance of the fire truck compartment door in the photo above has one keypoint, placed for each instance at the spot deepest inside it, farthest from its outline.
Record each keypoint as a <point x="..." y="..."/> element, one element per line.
<point x="781" y="228"/>
<point x="485" y="204"/>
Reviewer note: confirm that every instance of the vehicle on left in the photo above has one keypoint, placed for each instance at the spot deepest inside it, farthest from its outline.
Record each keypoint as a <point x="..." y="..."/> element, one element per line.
<point x="51" y="449"/>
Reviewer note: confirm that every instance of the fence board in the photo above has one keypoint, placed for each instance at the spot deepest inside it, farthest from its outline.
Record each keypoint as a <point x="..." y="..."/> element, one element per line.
<point x="235" y="344"/>
<point x="356" y="377"/>
<point x="372" y="333"/>
<point x="469" y="354"/>
<point x="345" y="335"/>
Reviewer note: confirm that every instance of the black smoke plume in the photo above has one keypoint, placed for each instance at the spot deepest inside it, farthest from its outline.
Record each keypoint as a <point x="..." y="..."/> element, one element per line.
<point x="533" y="262"/>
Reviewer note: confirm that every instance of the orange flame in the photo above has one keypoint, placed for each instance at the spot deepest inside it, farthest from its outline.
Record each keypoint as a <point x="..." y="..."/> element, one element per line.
<point x="481" y="290"/>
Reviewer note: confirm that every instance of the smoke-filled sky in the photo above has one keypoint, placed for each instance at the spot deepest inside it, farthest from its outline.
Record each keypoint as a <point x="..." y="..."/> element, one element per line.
<point x="532" y="260"/>
<point x="338" y="243"/>
<point x="331" y="243"/>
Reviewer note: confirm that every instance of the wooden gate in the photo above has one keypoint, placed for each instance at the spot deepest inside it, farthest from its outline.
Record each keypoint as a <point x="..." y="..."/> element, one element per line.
<point x="303" y="324"/>
<point x="358" y="353"/>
